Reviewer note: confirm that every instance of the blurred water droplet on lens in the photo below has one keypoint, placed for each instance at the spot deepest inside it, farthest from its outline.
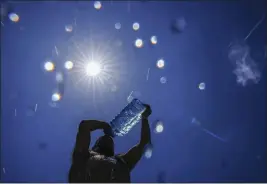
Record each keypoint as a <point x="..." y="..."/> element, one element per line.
<point x="159" y="128"/>
<point x="202" y="86"/>
<point x="97" y="5"/>
<point x="68" y="28"/>
<point x="163" y="80"/>
<point x="136" y="26"/>
<point x="117" y="25"/>
<point x="148" y="153"/>
<point x="179" y="25"/>
<point x="56" y="97"/>
<point x="160" y="63"/>
<point x="49" y="66"/>
<point x="59" y="77"/>
<point x="139" y="43"/>
<point x="13" y="17"/>
<point x="154" y="40"/>
<point x="68" y="65"/>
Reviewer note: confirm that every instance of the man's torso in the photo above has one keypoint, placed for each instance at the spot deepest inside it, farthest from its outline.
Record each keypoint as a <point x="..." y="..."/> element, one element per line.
<point x="98" y="168"/>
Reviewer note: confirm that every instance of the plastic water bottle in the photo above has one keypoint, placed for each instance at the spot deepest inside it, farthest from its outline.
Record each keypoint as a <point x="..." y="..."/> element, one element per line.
<point x="127" y="118"/>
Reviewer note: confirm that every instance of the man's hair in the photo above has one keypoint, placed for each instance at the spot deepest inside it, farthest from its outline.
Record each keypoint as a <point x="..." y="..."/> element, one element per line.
<point x="104" y="145"/>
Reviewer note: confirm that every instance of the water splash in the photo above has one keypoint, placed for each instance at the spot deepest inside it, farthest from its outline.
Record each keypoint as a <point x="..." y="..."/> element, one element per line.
<point x="255" y="27"/>
<point x="245" y="68"/>
<point x="198" y="124"/>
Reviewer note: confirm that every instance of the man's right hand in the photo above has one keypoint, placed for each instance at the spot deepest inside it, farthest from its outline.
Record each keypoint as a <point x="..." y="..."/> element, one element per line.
<point x="135" y="153"/>
<point x="147" y="112"/>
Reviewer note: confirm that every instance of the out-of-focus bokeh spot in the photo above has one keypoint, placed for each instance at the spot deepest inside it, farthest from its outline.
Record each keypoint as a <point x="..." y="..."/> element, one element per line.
<point x="160" y="63"/>
<point x="159" y="128"/>
<point x="68" y="28"/>
<point x="136" y="26"/>
<point x="149" y="151"/>
<point x="49" y="66"/>
<point x="13" y="17"/>
<point x="139" y="43"/>
<point x="56" y="97"/>
<point x="178" y="25"/>
<point x="59" y="77"/>
<point x="68" y="65"/>
<point x="163" y="80"/>
<point x="117" y="25"/>
<point x="154" y="40"/>
<point x="202" y="86"/>
<point x="97" y="5"/>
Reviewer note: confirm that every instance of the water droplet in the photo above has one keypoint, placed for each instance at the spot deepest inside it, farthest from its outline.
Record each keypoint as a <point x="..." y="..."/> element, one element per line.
<point x="136" y="26"/>
<point x="153" y="40"/>
<point x="202" y="86"/>
<point x="160" y="63"/>
<point x="163" y="80"/>
<point x="97" y="5"/>
<point x="139" y="43"/>
<point x="117" y="25"/>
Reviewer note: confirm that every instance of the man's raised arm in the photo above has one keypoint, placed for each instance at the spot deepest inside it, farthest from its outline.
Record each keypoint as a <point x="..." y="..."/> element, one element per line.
<point x="83" y="137"/>
<point x="135" y="154"/>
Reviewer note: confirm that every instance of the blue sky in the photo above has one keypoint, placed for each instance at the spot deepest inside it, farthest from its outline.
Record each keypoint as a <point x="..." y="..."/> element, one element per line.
<point x="36" y="146"/>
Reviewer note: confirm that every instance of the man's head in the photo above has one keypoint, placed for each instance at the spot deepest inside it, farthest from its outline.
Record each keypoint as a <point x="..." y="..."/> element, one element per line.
<point x="104" y="145"/>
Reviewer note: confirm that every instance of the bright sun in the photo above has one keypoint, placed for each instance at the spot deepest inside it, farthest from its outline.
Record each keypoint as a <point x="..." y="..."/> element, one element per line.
<point x="93" y="69"/>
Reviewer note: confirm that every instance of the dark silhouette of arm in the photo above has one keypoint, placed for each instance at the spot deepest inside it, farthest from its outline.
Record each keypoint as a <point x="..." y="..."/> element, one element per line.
<point x="83" y="137"/>
<point x="134" y="154"/>
<point x="80" y="152"/>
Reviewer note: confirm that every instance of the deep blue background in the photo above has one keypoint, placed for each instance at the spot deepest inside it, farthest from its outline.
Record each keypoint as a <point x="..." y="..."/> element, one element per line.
<point x="199" y="54"/>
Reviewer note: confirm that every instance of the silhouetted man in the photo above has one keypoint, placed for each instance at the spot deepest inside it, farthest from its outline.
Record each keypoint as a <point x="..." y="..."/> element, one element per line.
<point x="100" y="164"/>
